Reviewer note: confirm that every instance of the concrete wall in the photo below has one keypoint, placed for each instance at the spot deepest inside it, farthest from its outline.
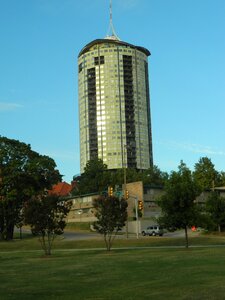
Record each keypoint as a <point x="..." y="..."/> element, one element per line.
<point x="82" y="209"/>
<point x="135" y="190"/>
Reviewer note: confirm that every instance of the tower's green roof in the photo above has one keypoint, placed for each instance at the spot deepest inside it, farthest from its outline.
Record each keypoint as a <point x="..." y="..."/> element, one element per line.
<point x="112" y="41"/>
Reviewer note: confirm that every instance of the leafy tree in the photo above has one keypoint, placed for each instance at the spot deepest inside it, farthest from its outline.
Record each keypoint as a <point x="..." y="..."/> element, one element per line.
<point x="178" y="208"/>
<point x="215" y="207"/>
<point x="111" y="213"/>
<point x="95" y="178"/>
<point x="116" y="177"/>
<point x="133" y="175"/>
<point x="23" y="174"/>
<point x="205" y="174"/>
<point x="46" y="216"/>
<point x="154" y="176"/>
<point x="222" y="178"/>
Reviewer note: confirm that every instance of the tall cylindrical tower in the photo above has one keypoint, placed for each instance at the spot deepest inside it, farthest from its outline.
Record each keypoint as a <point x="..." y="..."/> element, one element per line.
<point x="114" y="104"/>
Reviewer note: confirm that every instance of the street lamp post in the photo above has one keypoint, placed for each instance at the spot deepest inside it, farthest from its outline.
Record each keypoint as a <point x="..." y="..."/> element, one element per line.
<point x="125" y="181"/>
<point x="124" y="169"/>
<point x="136" y="215"/>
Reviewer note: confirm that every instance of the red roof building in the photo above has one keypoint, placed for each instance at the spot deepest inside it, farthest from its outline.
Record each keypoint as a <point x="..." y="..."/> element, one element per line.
<point x="61" y="189"/>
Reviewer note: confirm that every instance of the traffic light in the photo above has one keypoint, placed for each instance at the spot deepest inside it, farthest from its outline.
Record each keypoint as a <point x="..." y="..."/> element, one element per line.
<point x="110" y="191"/>
<point x="126" y="194"/>
<point x="140" y="204"/>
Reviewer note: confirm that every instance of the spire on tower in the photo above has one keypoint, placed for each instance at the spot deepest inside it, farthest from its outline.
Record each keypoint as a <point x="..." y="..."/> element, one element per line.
<point x="111" y="34"/>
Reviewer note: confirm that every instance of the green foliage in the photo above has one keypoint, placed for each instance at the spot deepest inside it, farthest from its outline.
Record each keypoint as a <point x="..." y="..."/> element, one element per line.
<point x="23" y="174"/>
<point x="46" y="216"/>
<point x="154" y="177"/>
<point x="116" y="177"/>
<point x="111" y="213"/>
<point x="222" y="178"/>
<point x="205" y="174"/>
<point x="95" y="178"/>
<point x="133" y="175"/>
<point x="178" y="208"/>
<point x="215" y="207"/>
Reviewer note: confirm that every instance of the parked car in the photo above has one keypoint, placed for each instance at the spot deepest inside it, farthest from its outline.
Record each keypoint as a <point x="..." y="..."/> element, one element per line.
<point x="153" y="230"/>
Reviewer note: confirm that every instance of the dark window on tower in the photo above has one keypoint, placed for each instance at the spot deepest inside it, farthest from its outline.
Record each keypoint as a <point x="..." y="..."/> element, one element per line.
<point x="99" y="60"/>
<point x="80" y="67"/>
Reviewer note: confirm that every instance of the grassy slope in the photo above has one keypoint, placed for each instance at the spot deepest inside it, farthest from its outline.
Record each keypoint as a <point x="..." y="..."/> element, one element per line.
<point x="197" y="273"/>
<point x="121" y="274"/>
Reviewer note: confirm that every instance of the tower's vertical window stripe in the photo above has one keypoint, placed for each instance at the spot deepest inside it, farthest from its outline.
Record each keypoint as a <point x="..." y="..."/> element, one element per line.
<point x="93" y="136"/>
<point x="149" y="115"/>
<point x="129" y="111"/>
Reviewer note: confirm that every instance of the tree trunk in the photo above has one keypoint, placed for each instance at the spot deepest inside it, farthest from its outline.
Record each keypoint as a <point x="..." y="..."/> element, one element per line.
<point x="21" y="233"/>
<point x="186" y="236"/>
<point x="107" y="242"/>
<point x="49" y="244"/>
<point x="45" y="243"/>
<point x="9" y="232"/>
<point x="219" y="228"/>
<point x="2" y="230"/>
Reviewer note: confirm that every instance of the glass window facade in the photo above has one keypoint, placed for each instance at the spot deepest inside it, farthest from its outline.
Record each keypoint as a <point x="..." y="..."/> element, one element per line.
<point x="114" y="105"/>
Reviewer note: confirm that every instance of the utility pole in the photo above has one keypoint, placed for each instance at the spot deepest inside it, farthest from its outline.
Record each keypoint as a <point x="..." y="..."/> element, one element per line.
<point x="1" y="180"/>
<point x="125" y="181"/>
<point x="136" y="215"/>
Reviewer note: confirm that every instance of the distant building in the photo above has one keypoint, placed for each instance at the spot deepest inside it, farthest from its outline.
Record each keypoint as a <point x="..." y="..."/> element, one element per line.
<point x="114" y="104"/>
<point x="82" y="205"/>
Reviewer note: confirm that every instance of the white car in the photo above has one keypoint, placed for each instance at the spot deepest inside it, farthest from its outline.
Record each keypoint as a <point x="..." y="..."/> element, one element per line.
<point x="153" y="230"/>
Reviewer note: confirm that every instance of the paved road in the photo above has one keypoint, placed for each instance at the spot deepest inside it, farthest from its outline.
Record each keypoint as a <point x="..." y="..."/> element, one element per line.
<point x="80" y="236"/>
<point x="181" y="233"/>
<point x="69" y="235"/>
<point x="85" y="235"/>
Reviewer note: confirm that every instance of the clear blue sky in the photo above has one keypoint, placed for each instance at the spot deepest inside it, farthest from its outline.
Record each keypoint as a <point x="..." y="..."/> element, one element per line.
<point x="39" y="44"/>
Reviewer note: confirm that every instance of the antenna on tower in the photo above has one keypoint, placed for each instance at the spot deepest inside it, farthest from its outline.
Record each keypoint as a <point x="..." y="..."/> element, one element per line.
<point x="111" y="34"/>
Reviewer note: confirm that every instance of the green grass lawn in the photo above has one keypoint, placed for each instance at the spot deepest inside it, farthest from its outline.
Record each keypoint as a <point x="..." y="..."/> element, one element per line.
<point x="30" y="243"/>
<point x="196" y="273"/>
